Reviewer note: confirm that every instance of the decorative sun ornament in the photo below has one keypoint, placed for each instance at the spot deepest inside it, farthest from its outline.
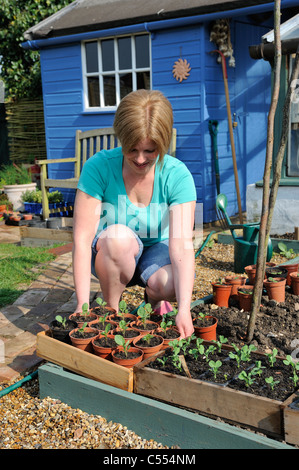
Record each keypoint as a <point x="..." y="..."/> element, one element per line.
<point x="181" y="70"/>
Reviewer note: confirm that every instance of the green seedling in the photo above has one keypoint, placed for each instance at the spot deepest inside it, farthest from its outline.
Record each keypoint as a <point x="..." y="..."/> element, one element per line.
<point x="122" y="308"/>
<point x="82" y="329"/>
<point x="215" y="366"/>
<point x="147" y="338"/>
<point x="246" y="352"/>
<point x="201" y="315"/>
<point x="272" y="279"/>
<point x="120" y="340"/>
<point x="85" y="309"/>
<point x="199" y="350"/>
<point x="145" y="312"/>
<point x="259" y="368"/>
<point x="162" y="360"/>
<point x="210" y="350"/>
<point x="101" y="302"/>
<point x="246" y="291"/>
<point x="272" y="357"/>
<point x="247" y="377"/>
<point x="284" y="250"/>
<point x="270" y="381"/>
<point x="61" y="320"/>
<point x="221" y="340"/>
<point x="106" y="331"/>
<point x="288" y="361"/>
<point x="102" y="319"/>
<point x="123" y="326"/>
<point x="242" y="354"/>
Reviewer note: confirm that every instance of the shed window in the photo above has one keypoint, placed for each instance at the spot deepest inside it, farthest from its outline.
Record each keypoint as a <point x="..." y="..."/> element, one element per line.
<point x="114" y="67"/>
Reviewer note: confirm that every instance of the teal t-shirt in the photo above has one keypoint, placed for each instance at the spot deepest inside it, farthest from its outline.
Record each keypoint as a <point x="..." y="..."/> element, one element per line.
<point x="101" y="178"/>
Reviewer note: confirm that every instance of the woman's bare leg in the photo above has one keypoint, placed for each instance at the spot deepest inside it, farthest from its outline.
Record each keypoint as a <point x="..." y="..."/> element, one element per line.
<point x="160" y="287"/>
<point x="115" y="262"/>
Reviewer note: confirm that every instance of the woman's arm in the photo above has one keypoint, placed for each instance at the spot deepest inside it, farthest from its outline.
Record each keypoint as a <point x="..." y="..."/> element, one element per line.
<point x="181" y="253"/>
<point x="86" y="219"/>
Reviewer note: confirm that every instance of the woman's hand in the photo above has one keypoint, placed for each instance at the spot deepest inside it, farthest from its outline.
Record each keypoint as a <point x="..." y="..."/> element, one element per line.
<point x="184" y="324"/>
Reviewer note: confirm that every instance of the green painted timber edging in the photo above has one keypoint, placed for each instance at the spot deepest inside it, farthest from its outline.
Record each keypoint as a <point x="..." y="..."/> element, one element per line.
<point x="149" y="418"/>
<point x="227" y="239"/>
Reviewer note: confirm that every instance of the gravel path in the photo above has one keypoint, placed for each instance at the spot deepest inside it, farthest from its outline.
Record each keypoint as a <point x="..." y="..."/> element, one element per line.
<point x="27" y="422"/>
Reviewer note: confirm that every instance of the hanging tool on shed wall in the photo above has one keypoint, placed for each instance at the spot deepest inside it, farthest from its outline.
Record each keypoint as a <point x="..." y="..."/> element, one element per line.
<point x="230" y="125"/>
<point x="213" y="128"/>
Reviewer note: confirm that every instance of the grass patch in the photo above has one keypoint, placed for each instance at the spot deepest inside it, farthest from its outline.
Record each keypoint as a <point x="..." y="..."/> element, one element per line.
<point x="19" y="267"/>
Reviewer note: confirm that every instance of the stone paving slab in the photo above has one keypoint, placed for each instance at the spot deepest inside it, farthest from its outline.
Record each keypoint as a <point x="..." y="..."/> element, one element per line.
<point x="52" y="293"/>
<point x="11" y="313"/>
<point x="31" y="297"/>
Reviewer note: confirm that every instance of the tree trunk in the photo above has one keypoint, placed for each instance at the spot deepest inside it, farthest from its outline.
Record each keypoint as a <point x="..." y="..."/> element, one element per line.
<point x="263" y="242"/>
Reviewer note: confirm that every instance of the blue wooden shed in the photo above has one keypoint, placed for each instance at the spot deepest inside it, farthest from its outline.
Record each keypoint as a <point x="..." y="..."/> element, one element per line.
<point x="93" y="52"/>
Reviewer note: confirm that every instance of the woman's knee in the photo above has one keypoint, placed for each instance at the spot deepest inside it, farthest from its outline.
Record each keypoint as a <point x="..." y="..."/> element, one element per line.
<point x="118" y="241"/>
<point x="162" y="281"/>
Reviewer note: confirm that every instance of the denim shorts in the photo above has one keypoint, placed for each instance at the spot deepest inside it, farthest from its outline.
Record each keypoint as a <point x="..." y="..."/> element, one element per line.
<point x="148" y="260"/>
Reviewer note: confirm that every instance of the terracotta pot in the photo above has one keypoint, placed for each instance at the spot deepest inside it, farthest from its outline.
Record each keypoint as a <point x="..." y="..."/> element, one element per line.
<point x="291" y="268"/>
<point x="235" y="281"/>
<point x="84" y="343"/>
<point x="118" y="331"/>
<point x="245" y="299"/>
<point x="276" y="290"/>
<point x="166" y="341"/>
<point x="102" y="351"/>
<point x="88" y="318"/>
<point x="2" y="207"/>
<point x="151" y="327"/>
<point x="27" y="216"/>
<point x="128" y="317"/>
<point x="221" y="294"/>
<point x="148" y="351"/>
<point x="102" y="310"/>
<point x="99" y="326"/>
<point x="127" y="361"/>
<point x="207" y="333"/>
<point x="295" y="282"/>
<point x="250" y="270"/>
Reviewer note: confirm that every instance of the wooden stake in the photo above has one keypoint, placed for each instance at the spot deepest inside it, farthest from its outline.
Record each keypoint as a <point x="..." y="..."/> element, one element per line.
<point x="231" y="133"/>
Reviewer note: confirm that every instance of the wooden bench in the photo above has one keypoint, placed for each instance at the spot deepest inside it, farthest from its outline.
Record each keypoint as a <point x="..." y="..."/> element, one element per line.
<point x="87" y="144"/>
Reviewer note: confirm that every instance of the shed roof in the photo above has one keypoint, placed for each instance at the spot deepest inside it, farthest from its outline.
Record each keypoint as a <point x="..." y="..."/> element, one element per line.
<point x="91" y="15"/>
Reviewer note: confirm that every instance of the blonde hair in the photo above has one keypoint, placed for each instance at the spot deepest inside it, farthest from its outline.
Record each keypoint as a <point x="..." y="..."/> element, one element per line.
<point x="144" y="114"/>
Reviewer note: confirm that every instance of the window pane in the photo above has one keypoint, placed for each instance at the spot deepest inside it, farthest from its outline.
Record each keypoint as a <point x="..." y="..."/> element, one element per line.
<point x="126" y="85"/>
<point x="107" y="55"/>
<point x="143" y="80"/>
<point x="142" y="51"/>
<point x="124" y="53"/>
<point x="93" y="91"/>
<point x="109" y="90"/>
<point x="91" y="49"/>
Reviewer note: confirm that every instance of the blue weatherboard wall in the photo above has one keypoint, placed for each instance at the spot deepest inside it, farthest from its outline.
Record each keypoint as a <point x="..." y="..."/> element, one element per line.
<point x="196" y="100"/>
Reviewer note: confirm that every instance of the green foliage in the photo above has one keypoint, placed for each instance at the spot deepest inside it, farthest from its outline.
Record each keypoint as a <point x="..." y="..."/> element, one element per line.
<point x="19" y="267"/>
<point x="36" y="196"/>
<point x="85" y="309"/>
<point x="120" y="340"/>
<point x="13" y="174"/>
<point x="20" y="67"/>
<point x="284" y="250"/>
<point x="61" y="320"/>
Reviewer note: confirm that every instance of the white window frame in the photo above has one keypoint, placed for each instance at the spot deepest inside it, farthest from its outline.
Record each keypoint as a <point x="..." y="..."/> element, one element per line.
<point x="116" y="71"/>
